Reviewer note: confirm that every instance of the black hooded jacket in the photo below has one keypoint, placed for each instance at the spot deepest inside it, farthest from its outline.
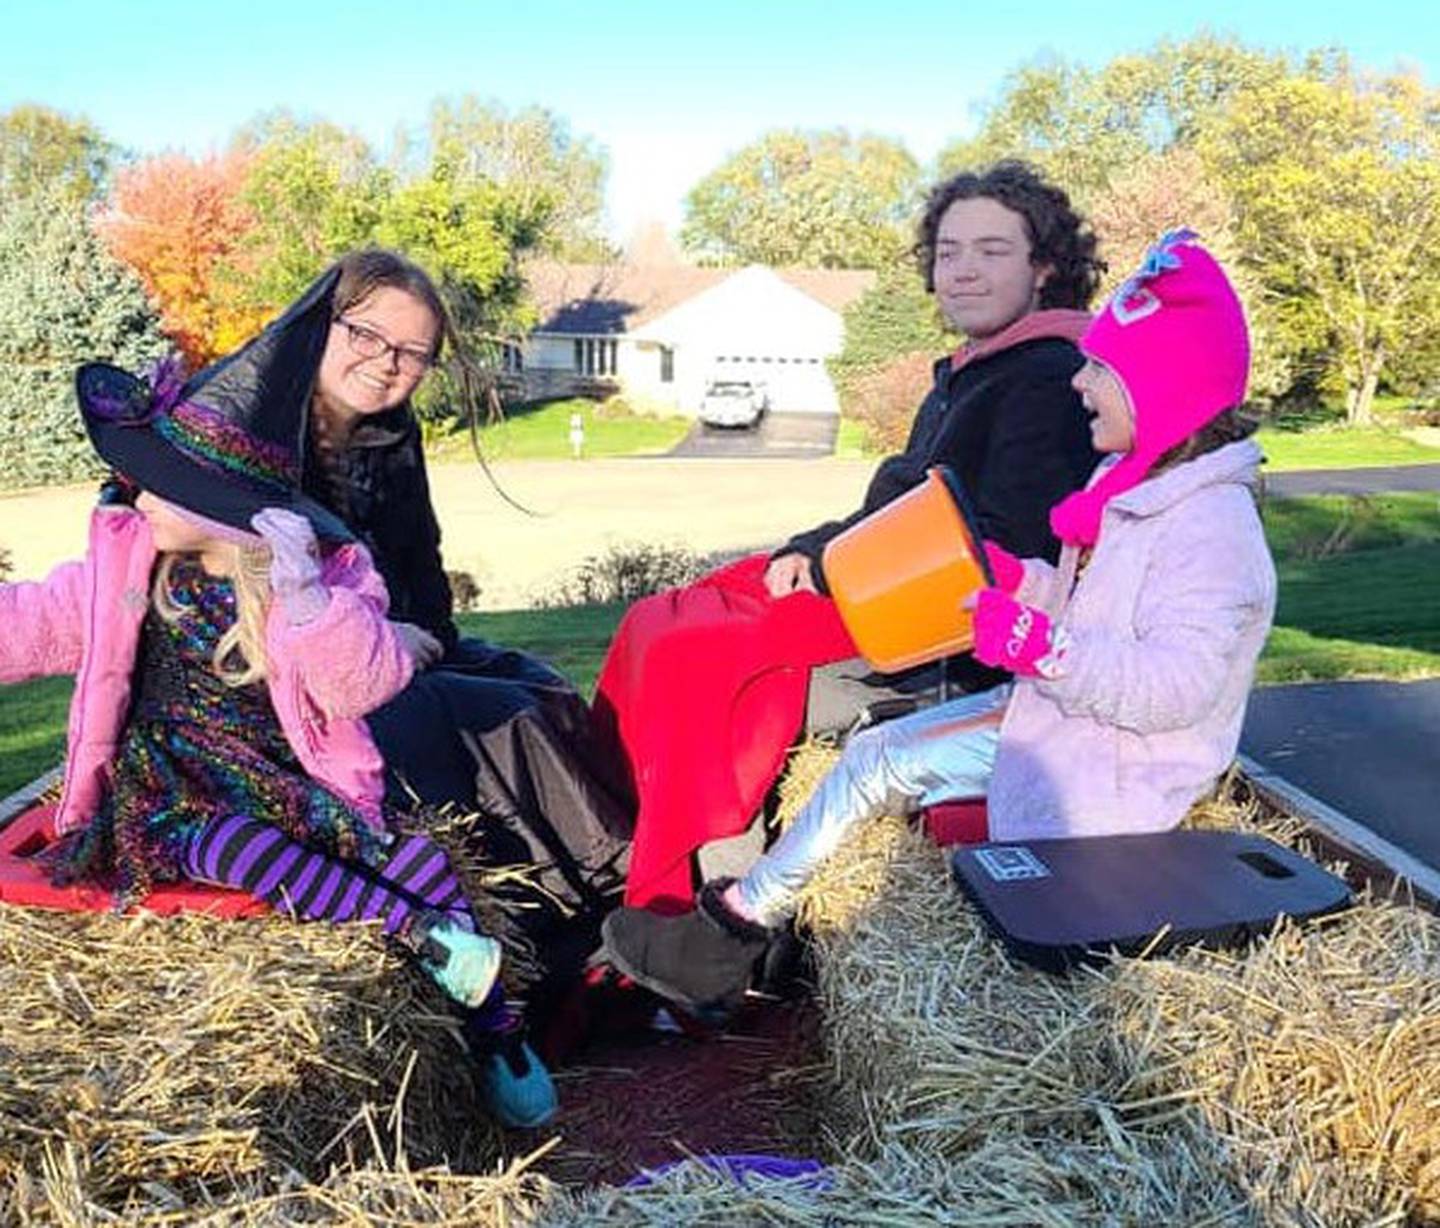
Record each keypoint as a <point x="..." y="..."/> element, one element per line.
<point x="1016" y="435"/>
<point x="379" y="488"/>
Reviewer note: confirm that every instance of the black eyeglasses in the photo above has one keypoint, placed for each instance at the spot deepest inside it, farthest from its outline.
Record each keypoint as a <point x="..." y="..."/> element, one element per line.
<point x="369" y="344"/>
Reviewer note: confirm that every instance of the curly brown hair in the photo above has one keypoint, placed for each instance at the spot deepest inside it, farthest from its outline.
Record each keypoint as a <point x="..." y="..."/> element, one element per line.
<point x="1228" y="426"/>
<point x="1059" y="236"/>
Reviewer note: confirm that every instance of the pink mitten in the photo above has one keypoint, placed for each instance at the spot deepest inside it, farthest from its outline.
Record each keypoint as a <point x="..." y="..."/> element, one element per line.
<point x="1009" y="572"/>
<point x="1017" y="637"/>
<point x="294" y="563"/>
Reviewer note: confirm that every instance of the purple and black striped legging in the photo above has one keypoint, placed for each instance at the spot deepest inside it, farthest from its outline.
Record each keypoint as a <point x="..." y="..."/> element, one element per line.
<point x="263" y="861"/>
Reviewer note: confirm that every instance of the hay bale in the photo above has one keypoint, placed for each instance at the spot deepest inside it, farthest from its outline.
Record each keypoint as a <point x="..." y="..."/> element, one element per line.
<point x="1316" y="1057"/>
<point x="1292" y="1083"/>
<point x="369" y="1195"/>
<point x="155" y="1063"/>
<point x="262" y="1073"/>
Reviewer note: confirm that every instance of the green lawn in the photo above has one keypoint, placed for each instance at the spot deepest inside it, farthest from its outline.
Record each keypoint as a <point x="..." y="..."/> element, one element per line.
<point x="542" y="432"/>
<point x="852" y="441"/>
<point x="1359" y="588"/>
<point x="1319" y="526"/>
<point x="1327" y="447"/>
<point x="32" y="729"/>
<point x="573" y="640"/>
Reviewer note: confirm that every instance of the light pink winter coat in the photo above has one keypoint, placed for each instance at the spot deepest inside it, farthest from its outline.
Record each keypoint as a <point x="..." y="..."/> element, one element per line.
<point x="1165" y="624"/>
<point x="324" y="676"/>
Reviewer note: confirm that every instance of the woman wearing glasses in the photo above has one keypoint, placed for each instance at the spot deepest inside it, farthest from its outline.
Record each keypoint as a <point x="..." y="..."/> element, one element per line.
<point x="489" y="730"/>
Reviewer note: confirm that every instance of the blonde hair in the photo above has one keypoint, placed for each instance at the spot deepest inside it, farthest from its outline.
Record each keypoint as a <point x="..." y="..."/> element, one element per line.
<point x="239" y="657"/>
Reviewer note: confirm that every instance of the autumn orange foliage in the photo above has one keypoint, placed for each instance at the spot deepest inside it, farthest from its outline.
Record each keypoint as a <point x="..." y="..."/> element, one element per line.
<point x="180" y="223"/>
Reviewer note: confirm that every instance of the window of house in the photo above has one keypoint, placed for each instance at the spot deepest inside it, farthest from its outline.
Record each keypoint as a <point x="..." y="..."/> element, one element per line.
<point x="512" y="358"/>
<point x="597" y="355"/>
<point x="667" y="365"/>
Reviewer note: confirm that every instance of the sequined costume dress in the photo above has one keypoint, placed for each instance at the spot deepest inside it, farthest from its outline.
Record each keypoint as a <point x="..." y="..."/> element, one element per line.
<point x="204" y="786"/>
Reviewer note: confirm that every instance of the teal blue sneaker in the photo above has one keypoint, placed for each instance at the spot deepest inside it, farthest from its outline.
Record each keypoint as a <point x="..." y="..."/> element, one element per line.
<point x="517" y="1087"/>
<point x="462" y="963"/>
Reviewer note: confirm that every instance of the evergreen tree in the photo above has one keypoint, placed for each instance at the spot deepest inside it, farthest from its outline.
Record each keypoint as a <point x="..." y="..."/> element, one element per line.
<point x="64" y="300"/>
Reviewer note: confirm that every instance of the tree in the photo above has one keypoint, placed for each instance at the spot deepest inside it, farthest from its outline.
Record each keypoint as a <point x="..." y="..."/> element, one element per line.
<point x="181" y="224"/>
<point x="1335" y="178"/>
<point x="314" y="191"/>
<point x="1085" y="127"/>
<point x="41" y="149"/>
<point x="468" y="236"/>
<point x="533" y="155"/>
<point x="64" y="300"/>
<point x="821" y="199"/>
<point x="893" y="334"/>
<point x="1161" y="192"/>
<point x="317" y="192"/>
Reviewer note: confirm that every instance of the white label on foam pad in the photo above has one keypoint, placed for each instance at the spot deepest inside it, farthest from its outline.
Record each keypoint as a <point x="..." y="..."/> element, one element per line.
<point x="1011" y="864"/>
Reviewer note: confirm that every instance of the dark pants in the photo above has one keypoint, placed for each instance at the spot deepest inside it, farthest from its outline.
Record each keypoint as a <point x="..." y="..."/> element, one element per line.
<point x="500" y="734"/>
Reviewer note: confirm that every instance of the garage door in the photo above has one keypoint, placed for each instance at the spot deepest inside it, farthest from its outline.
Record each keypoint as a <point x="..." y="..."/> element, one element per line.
<point x="796" y="385"/>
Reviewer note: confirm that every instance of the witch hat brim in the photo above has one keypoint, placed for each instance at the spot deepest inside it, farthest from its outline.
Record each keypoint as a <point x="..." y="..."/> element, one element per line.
<point x="186" y="454"/>
<point x="229" y="442"/>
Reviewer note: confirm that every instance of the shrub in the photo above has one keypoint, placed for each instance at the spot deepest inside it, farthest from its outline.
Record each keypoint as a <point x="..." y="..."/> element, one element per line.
<point x="465" y="591"/>
<point x="884" y="400"/>
<point x="893" y="334"/>
<point x="625" y="573"/>
<point x="6" y="566"/>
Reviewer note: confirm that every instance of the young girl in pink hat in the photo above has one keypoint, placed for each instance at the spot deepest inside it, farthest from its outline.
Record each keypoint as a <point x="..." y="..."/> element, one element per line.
<point x="1133" y="656"/>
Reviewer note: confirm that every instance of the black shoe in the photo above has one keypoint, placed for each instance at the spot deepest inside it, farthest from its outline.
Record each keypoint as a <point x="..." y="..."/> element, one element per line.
<point x="702" y="960"/>
<point x="787" y="969"/>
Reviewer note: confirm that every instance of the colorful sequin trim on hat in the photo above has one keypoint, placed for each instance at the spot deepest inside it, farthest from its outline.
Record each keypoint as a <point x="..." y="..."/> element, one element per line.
<point x="212" y="439"/>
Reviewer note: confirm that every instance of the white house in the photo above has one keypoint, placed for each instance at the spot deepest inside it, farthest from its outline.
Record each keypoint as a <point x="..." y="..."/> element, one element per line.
<point x="664" y="331"/>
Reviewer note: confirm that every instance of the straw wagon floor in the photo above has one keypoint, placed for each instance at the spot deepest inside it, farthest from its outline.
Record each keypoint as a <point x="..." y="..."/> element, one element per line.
<point x="259" y="1073"/>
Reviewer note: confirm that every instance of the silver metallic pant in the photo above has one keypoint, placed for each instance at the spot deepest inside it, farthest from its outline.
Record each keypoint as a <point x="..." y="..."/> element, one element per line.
<point x="935" y="755"/>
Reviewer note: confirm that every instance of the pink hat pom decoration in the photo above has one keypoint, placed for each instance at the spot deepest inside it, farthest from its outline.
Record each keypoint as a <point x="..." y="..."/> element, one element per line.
<point x="1175" y="335"/>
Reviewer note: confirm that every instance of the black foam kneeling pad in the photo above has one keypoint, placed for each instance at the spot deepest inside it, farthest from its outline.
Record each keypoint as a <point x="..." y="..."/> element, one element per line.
<point x="1057" y="902"/>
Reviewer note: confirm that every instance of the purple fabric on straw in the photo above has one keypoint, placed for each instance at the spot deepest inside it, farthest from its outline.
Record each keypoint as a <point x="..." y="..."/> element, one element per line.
<point x="739" y="1167"/>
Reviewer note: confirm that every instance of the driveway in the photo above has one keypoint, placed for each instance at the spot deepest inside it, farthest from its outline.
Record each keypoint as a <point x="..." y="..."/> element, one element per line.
<point x="779" y="436"/>
<point x="1383" y="479"/>
<point x="583" y="507"/>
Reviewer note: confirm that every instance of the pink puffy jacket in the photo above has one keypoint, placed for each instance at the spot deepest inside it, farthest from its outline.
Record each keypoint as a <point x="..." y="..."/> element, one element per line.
<point x="84" y="618"/>
<point x="1166" y="624"/>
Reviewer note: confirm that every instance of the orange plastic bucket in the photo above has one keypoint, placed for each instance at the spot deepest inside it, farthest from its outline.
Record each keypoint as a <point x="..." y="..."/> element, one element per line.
<point x="899" y="576"/>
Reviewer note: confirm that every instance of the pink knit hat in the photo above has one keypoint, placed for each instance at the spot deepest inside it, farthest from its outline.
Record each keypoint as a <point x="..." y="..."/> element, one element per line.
<point x="1175" y="336"/>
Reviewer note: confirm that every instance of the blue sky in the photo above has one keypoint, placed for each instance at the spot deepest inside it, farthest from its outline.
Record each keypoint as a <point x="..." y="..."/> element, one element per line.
<point x="669" y="88"/>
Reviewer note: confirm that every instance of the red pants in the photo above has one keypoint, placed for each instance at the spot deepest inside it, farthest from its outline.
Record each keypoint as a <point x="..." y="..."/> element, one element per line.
<point x="704" y="690"/>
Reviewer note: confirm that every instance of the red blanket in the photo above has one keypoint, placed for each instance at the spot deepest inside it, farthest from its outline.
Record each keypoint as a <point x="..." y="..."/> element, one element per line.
<point x="705" y="687"/>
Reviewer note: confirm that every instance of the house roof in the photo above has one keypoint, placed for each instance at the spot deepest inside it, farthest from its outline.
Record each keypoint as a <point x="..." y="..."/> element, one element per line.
<point x="613" y="298"/>
<point x="620" y="298"/>
<point x="836" y="288"/>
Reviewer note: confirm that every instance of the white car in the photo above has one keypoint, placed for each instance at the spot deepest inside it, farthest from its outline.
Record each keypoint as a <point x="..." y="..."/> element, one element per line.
<point x="734" y="402"/>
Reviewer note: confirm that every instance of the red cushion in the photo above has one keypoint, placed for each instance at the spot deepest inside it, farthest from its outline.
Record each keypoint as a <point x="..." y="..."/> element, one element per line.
<point x="960" y="822"/>
<point x="25" y="881"/>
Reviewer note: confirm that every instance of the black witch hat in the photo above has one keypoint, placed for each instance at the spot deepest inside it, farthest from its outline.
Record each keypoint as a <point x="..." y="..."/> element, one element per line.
<point x="229" y="441"/>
